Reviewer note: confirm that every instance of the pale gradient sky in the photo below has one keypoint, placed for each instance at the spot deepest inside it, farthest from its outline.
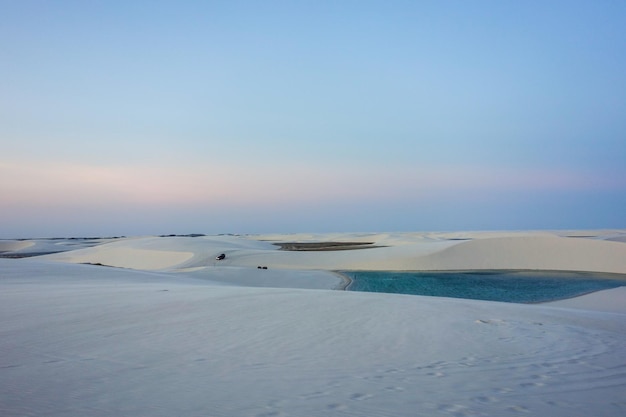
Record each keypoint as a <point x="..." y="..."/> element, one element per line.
<point x="150" y="117"/>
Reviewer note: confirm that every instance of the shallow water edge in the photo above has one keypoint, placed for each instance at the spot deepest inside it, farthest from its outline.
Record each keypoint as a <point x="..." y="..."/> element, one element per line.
<point x="516" y="286"/>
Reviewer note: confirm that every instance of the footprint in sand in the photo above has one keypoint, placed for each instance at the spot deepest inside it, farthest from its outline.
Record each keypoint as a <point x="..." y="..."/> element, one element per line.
<point x="455" y="409"/>
<point x="360" y="396"/>
<point x="496" y="322"/>
<point x="271" y="414"/>
<point x="536" y="383"/>
<point x="531" y="384"/>
<point x="316" y="394"/>
<point x="484" y="399"/>
<point x="337" y="407"/>
<point x="518" y="409"/>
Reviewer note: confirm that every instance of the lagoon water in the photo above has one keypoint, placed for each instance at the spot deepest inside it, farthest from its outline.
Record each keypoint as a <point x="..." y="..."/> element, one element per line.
<point x="508" y="286"/>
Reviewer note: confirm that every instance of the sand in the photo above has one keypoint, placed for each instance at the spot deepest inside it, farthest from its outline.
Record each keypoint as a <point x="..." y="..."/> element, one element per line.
<point x="168" y="330"/>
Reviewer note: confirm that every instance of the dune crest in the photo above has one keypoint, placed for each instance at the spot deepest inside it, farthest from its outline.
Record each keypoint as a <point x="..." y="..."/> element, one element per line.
<point x="597" y="252"/>
<point x="533" y="253"/>
<point x="14" y="245"/>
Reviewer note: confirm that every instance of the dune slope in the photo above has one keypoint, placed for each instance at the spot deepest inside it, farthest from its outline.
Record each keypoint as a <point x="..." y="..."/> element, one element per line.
<point x="153" y="346"/>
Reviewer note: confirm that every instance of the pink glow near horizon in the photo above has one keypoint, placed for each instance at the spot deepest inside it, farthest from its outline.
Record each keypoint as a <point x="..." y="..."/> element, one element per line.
<point x="67" y="184"/>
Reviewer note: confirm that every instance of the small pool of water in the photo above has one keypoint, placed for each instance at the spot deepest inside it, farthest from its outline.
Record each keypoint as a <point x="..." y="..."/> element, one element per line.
<point x="508" y="286"/>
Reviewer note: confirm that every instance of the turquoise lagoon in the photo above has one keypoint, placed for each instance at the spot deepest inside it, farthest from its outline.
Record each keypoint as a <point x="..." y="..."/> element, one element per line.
<point x="507" y="286"/>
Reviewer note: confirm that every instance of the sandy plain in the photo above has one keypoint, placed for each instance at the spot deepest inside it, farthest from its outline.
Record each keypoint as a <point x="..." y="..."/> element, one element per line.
<point x="156" y="326"/>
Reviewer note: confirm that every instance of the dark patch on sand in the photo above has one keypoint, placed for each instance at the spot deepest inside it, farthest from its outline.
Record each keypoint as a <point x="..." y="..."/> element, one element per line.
<point x="99" y="264"/>
<point x="325" y="246"/>
<point x="18" y="255"/>
<point x="188" y="235"/>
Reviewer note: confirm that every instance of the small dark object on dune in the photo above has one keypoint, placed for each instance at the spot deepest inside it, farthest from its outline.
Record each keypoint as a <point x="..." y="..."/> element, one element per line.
<point x="220" y="257"/>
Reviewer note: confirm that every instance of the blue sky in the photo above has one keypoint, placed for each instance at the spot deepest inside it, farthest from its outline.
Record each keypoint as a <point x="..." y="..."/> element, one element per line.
<point x="148" y="117"/>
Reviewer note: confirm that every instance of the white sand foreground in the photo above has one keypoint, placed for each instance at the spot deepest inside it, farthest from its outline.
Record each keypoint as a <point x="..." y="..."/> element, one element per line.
<point x="182" y="334"/>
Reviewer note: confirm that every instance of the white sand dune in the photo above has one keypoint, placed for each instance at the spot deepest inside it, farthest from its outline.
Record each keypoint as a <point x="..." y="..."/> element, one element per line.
<point x="613" y="300"/>
<point x="531" y="252"/>
<point x="399" y="251"/>
<point x="40" y="246"/>
<point x="182" y="334"/>
<point x="14" y="245"/>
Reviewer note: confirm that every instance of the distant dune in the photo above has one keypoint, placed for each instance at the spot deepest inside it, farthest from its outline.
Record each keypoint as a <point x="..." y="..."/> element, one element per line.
<point x="600" y="251"/>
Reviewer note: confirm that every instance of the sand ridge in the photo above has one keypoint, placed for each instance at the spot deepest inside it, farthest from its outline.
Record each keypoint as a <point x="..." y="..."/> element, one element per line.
<point x="14" y="245"/>
<point x="596" y="251"/>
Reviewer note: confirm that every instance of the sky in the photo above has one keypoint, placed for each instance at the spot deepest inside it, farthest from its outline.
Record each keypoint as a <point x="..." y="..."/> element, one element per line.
<point x="162" y="117"/>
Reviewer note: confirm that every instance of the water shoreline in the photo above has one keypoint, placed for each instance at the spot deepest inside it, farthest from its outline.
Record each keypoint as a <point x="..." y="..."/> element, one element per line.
<point x="513" y="286"/>
<point x="346" y="281"/>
